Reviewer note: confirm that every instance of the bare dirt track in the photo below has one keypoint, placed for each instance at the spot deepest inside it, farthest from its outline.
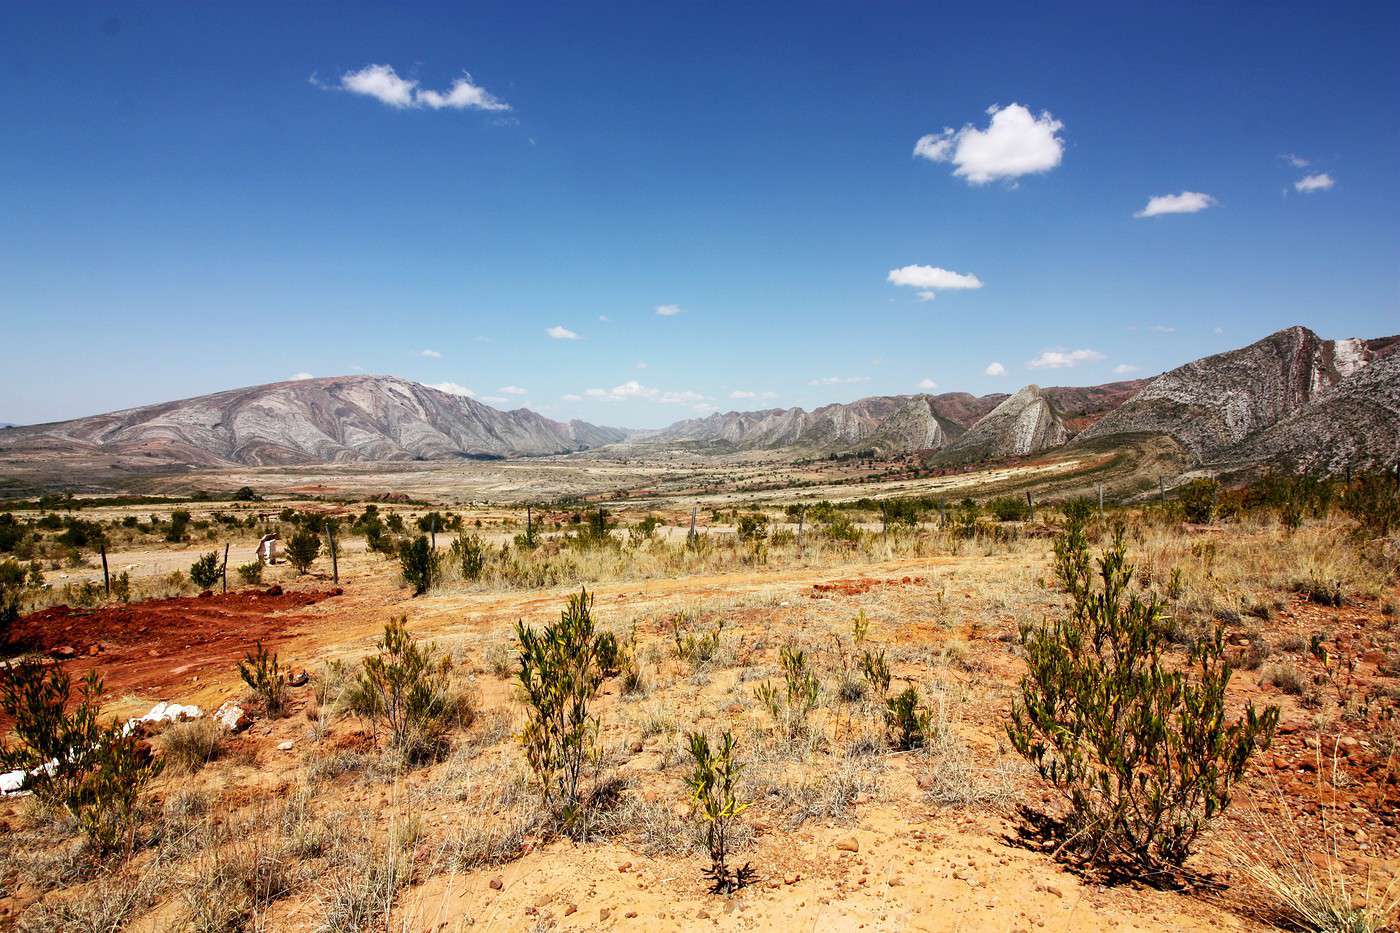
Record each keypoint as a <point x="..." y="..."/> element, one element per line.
<point x="164" y="645"/>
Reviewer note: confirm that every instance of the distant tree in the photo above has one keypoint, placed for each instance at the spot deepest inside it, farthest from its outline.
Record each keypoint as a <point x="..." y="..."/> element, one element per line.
<point x="246" y="494"/>
<point x="419" y="563"/>
<point x="303" y="549"/>
<point x="204" y="572"/>
<point x="179" y="524"/>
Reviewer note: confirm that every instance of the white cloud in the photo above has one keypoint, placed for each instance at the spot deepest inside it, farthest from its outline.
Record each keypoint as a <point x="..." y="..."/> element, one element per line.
<point x="745" y="393"/>
<point x="571" y="397"/>
<point x="298" y="377"/>
<point x="430" y="354"/>
<point x="995" y="369"/>
<point x="1188" y="202"/>
<point x="384" y="84"/>
<point x="1063" y="359"/>
<point x="927" y="384"/>
<point x="495" y="399"/>
<point x="605" y="319"/>
<point x="1016" y="142"/>
<point x="837" y="380"/>
<point x="559" y="332"/>
<point x="704" y="408"/>
<point x="669" y="310"/>
<point x="1123" y="369"/>
<point x="929" y="279"/>
<point x="452" y="388"/>
<point x="1319" y="182"/>
<point x="513" y="390"/>
<point x="1219" y="330"/>
<point x="1162" y="329"/>
<point x="1296" y="161"/>
<point x="632" y="389"/>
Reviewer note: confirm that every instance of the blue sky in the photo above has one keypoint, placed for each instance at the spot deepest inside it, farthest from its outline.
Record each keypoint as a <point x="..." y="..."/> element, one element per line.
<point x="201" y="196"/>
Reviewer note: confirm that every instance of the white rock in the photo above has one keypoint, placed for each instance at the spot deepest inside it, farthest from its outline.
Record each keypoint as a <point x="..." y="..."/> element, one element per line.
<point x="232" y="717"/>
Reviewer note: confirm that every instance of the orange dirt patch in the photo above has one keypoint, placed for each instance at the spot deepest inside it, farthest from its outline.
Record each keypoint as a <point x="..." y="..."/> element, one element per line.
<point x="859" y="585"/>
<point x="153" y="646"/>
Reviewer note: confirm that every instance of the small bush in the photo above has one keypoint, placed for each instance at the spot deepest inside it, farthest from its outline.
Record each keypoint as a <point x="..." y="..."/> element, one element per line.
<point x="261" y="672"/>
<point x="204" y="573"/>
<point x="559" y="677"/>
<point x="876" y="671"/>
<point x="693" y="644"/>
<point x="1198" y="499"/>
<point x="12" y="577"/>
<point x="752" y="528"/>
<point x="179" y="525"/>
<point x="1320" y="589"/>
<point x="94" y="772"/>
<point x="791" y="708"/>
<point x="470" y="554"/>
<point x="251" y="573"/>
<point x="712" y="785"/>
<point x="419" y="564"/>
<point x="906" y="721"/>
<point x="303" y="549"/>
<point x="185" y="747"/>
<point x="1284" y="676"/>
<point x="1140" y="751"/>
<point x="406" y="687"/>
<point x="1009" y="509"/>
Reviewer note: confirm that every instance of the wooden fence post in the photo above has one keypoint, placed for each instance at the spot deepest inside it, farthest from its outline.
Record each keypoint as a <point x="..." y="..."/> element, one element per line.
<point x="225" y="568"/>
<point x="335" y="559"/>
<point x="1100" y="501"/>
<point x="1161" y="489"/>
<point x="1030" y="504"/>
<point x="106" y="577"/>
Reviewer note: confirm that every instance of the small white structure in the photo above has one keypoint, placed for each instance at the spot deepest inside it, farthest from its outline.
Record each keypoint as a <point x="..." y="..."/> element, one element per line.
<point x="269" y="548"/>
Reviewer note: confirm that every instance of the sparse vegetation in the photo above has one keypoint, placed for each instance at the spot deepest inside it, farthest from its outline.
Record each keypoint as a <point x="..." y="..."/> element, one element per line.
<point x="266" y="678"/>
<point x="712" y="783"/>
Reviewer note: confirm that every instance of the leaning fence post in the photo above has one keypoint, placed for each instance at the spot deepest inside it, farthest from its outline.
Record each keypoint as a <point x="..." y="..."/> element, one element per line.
<point x="1100" y="501"/>
<point x="106" y="578"/>
<point x="690" y="538"/>
<point x="1161" y="489"/>
<point x="224" y="572"/>
<point x="1030" y="504"/>
<point x="335" y="558"/>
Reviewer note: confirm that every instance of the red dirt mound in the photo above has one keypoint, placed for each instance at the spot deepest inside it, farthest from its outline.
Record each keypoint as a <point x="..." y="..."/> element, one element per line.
<point x="860" y="585"/>
<point x="161" y="644"/>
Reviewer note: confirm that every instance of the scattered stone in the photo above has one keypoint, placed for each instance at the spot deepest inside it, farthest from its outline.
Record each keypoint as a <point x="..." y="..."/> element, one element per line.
<point x="298" y="678"/>
<point x="604" y="913"/>
<point x="848" y="844"/>
<point x="1051" y="889"/>
<point x="625" y="867"/>
<point x="497" y="884"/>
<point x="232" y="717"/>
<point x="570" y="909"/>
<point x="792" y="878"/>
<point x="286" y="746"/>
<point x="64" y="652"/>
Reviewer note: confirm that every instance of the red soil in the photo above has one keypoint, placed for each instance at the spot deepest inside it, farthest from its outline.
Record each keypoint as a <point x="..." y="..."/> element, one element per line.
<point x="860" y="585"/>
<point x="161" y="644"/>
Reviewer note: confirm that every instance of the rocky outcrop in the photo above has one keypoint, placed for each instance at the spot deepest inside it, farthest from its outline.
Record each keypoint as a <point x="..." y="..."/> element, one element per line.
<point x="338" y="419"/>
<point x="1215" y="403"/>
<point x="1026" y="423"/>
<point x="1356" y="424"/>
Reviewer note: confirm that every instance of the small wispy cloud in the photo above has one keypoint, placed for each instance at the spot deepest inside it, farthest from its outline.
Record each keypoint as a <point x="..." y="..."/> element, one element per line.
<point x="1187" y="202"/>
<point x="452" y="388"/>
<point x="1162" y="329"/>
<point x="745" y="393"/>
<point x="1310" y="183"/>
<point x="384" y="84"/>
<point x="298" y="377"/>
<point x="430" y="354"/>
<point x="995" y="369"/>
<point x="1064" y="359"/>
<point x="571" y="397"/>
<point x="1296" y="161"/>
<point x="605" y="319"/>
<point x="669" y="310"/>
<point x="560" y="332"/>
<point x="927" y="384"/>
<point x="837" y="380"/>
<point x="1016" y="142"/>
<point x="513" y="390"/>
<point x="1124" y="369"/>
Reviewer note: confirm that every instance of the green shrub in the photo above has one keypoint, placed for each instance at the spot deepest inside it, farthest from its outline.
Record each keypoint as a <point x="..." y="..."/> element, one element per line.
<point x="303" y="549"/>
<point x="12" y="579"/>
<point x="469" y="551"/>
<point x="94" y="772"/>
<point x="712" y="781"/>
<point x="695" y="645"/>
<point x="1009" y="509"/>
<point x="906" y="721"/>
<point x="261" y="672"/>
<point x="559" y="677"/>
<point x="791" y="708"/>
<point x="1373" y="499"/>
<point x="752" y="527"/>
<point x="251" y="573"/>
<point x="204" y="573"/>
<point x="419" y="564"/>
<point x="179" y="525"/>
<point x="1140" y="752"/>
<point x="406" y="687"/>
<point x="876" y="671"/>
<point x="1198" y="499"/>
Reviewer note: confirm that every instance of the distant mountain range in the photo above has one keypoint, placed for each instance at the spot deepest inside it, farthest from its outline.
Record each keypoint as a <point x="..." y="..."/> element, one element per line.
<point x="1291" y="399"/>
<point x="338" y="419"/>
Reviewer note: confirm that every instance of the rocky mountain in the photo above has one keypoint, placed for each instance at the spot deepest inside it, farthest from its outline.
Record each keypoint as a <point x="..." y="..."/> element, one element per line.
<point x="337" y="419"/>
<point x="892" y="423"/>
<point x="1355" y="423"/>
<point x="1024" y="424"/>
<point x="1215" y="403"/>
